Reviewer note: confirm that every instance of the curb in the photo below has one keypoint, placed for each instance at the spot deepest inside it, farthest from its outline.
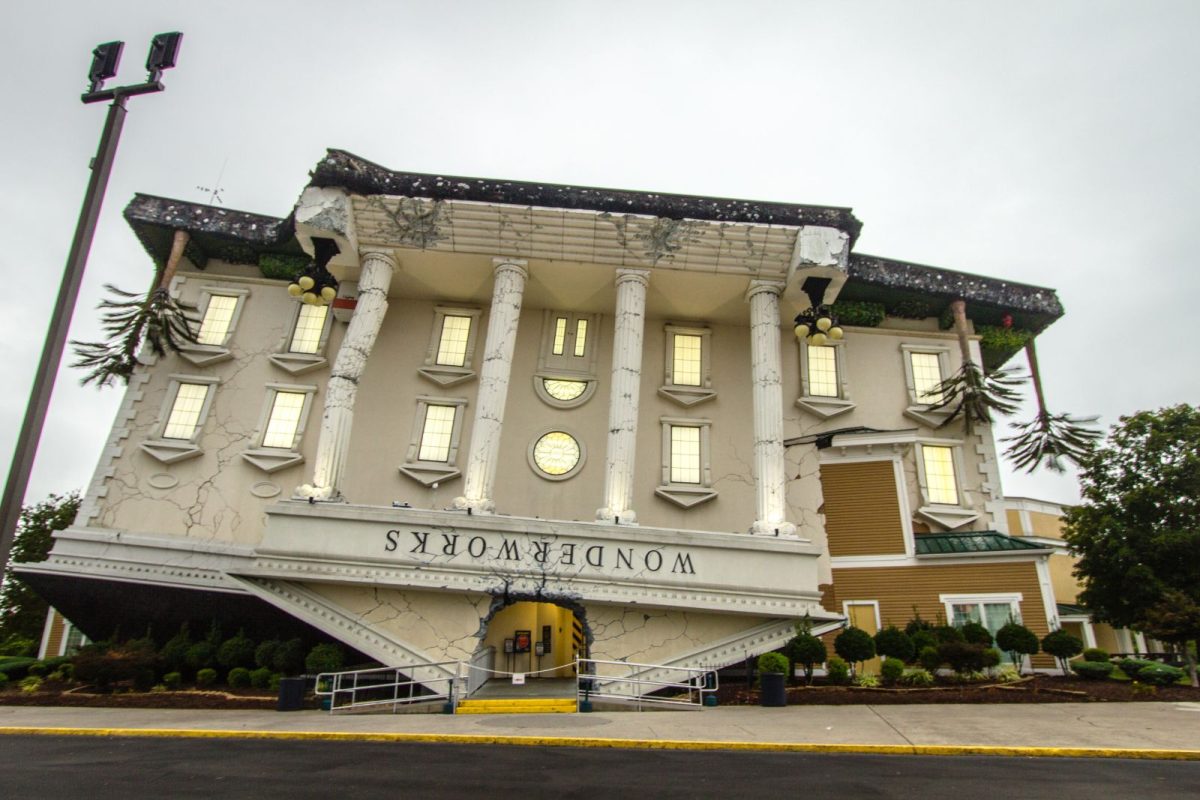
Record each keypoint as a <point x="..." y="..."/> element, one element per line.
<point x="622" y="744"/>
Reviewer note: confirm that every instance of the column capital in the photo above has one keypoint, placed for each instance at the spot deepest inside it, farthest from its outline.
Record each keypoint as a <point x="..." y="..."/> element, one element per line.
<point x="758" y="286"/>
<point x="501" y="264"/>
<point x="626" y="274"/>
<point x="381" y="253"/>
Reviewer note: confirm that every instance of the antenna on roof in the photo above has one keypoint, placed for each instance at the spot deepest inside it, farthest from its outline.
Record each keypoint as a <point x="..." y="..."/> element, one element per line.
<point x="214" y="194"/>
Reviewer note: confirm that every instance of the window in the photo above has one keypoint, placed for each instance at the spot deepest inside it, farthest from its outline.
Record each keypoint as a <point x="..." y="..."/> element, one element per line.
<point x="686" y="472"/>
<point x="927" y="376"/>
<point x="451" y="346"/>
<point x="217" y="318"/>
<point x="992" y="611"/>
<point x="284" y="421"/>
<point x="181" y="418"/>
<point x="925" y="367"/>
<point x="687" y="378"/>
<point x="219" y="308"/>
<point x="281" y="427"/>
<point x="940" y="482"/>
<point x="556" y="455"/>
<point x="823" y="379"/>
<point x="940" y="478"/>
<point x="303" y="345"/>
<point x="434" y="442"/>
<point x="566" y="371"/>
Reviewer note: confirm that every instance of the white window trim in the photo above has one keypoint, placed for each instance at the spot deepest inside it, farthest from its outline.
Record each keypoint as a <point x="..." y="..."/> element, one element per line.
<point x="916" y="409"/>
<point x="171" y="451"/>
<point x="945" y="515"/>
<point x="567" y="367"/>
<point x="687" y="395"/>
<point x="686" y="495"/>
<point x="432" y="473"/>
<point x="299" y="363"/>
<point x="821" y="405"/>
<point x="571" y="473"/>
<point x="203" y="355"/>
<point x="273" y="459"/>
<point x="447" y="374"/>
<point x="1013" y="599"/>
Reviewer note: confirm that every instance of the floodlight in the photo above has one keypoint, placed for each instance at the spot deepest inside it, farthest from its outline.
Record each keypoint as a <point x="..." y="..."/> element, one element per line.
<point x="164" y="49"/>
<point x="105" y="59"/>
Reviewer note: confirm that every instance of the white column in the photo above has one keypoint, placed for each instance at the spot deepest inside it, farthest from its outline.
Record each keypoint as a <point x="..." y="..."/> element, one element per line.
<point x="348" y="367"/>
<point x="769" y="467"/>
<point x="630" y="325"/>
<point x="480" y="478"/>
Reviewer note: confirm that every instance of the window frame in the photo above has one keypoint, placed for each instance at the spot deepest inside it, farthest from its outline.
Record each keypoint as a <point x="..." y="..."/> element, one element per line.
<point x="571" y="473"/>
<point x="431" y="473"/>
<point x="918" y="409"/>
<point x="686" y="495"/>
<point x="298" y="363"/>
<point x="947" y="515"/>
<point x="567" y="366"/>
<point x="203" y="355"/>
<point x="684" y="394"/>
<point x="448" y="374"/>
<point x="1012" y="599"/>
<point x="272" y="459"/>
<point x="173" y="450"/>
<point x="821" y="405"/>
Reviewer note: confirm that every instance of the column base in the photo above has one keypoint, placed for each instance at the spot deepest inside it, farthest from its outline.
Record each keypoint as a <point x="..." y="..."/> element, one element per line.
<point x="482" y="506"/>
<point x="318" y="494"/>
<point x="627" y="517"/>
<point x="763" y="527"/>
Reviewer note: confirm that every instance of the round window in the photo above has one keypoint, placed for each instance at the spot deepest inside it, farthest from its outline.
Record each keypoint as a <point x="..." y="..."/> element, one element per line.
<point x="565" y="391"/>
<point x="557" y="454"/>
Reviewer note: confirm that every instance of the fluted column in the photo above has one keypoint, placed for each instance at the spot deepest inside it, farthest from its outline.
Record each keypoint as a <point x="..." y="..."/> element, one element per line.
<point x="480" y="478"/>
<point x="342" y="389"/>
<point x="623" y="397"/>
<point x="769" y="467"/>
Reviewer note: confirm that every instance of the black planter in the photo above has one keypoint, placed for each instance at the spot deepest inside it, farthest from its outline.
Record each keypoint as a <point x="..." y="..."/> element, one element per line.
<point x="772" y="689"/>
<point x="291" y="694"/>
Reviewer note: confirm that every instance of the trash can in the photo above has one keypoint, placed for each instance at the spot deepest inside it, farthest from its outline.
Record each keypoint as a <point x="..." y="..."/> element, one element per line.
<point x="291" y="694"/>
<point x="772" y="689"/>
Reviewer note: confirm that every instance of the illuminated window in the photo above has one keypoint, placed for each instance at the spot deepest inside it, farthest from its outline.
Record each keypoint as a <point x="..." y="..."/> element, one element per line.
<point x="451" y="346"/>
<point x="686" y="475"/>
<point x="218" y="318"/>
<point x="687" y="360"/>
<point x="940" y="482"/>
<point x="310" y="324"/>
<point x="452" y="350"/>
<point x="685" y="454"/>
<point x="284" y="419"/>
<point x="560" y="336"/>
<point x="282" y="424"/>
<point x="566" y="371"/>
<point x="581" y="327"/>
<point x="437" y="432"/>
<point x="556" y="453"/>
<point x="687" y="379"/>
<point x="926" y="375"/>
<point x="186" y="411"/>
<point x="823" y="371"/>
<point x="564" y="390"/>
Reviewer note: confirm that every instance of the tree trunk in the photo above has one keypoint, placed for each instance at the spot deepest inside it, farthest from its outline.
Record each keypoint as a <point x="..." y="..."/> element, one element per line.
<point x="959" y="309"/>
<point x="178" y="243"/>
<point x="1036" y="375"/>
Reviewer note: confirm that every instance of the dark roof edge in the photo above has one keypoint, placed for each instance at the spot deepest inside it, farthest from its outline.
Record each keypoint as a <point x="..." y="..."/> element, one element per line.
<point x="346" y="170"/>
<point x="225" y="232"/>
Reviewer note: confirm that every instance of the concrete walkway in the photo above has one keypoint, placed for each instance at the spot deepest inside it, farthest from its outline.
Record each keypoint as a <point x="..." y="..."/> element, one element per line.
<point x="1082" y="729"/>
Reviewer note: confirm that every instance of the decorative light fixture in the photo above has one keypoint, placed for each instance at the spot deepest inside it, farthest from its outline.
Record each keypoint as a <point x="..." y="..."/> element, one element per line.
<point x="315" y="286"/>
<point x="817" y="323"/>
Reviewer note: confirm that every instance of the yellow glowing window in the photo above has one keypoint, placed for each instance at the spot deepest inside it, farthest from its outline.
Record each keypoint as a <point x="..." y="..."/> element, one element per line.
<point x="580" y="337"/>
<point x="939" y="475"/>
<point x="685" y="454"/>
<point x="563" y="390"/>
<point x="927" y="374"/>
<point x="686" y="360"/>
<point x="309" y="325"/>
<point x="556" y="453"/>
<point x="452" y="349"/>
<point x="822" y="371"/>
<point x="560" y="335"/>
<point x="284" y="419"/>
<point x="435" y="436"/>
<point x="217" y="317"/>
<point x="185" y="411"/>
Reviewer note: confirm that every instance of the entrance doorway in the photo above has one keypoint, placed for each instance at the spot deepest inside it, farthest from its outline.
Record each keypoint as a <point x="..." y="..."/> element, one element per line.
<point x="541" y="640"/>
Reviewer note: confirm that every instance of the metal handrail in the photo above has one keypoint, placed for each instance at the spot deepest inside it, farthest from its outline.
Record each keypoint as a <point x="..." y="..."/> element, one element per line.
<point x="363" y="687"/>
<point x="635" y="686"/>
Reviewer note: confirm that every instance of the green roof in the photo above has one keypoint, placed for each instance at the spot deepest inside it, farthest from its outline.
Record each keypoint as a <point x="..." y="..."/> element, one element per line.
<point x="1068" y="610"/>
<point x="945" y="544"/>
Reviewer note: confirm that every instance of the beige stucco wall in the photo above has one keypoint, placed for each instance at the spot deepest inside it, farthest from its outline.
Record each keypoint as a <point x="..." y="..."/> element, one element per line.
<point x="1066" y="587"/>
<point x="654" y="636"/>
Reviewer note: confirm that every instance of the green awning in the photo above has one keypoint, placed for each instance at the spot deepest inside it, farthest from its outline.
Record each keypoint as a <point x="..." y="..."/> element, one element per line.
<point x="946" y="544"/>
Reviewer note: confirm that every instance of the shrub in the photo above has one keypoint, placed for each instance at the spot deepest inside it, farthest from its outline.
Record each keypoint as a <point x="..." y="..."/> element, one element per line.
<point x="922" y="639"/>
<point x="1016" y="640"/>
<point x="891" y="670"/>
<point x="1007" y="674"/>
<point x="238" y="678"/>
<point x="854" y="645"/>
<point x="200" y="655"/>
<point x="917" y="677"/>
<point x="236" y="652"/>
<point x="328" y="657"/>
<point x="102" y="666"/>
<point x="893" y="642"/>
<point x="1132" y="666"/>
<point x="767" y="662"/>
<point x="917" y="624"/>
<point x="1092" y="670"/>
<point x="992" y="657"/>
<point x="1156" y="675"/>
<point x="173" y="680"/>
<point x="289" y="657"/>
<point x="807" y="651"/>
<point x="15" y="666"/>
<point x="264" y="654"/>
<point x="930" y="659"/>
<point x="962" y="657"/>
<point x="37" y="669"/>
<point x="947" y="633"/>
<point x="3" y="681"/>
<point x="63" y="674"/>
<point x="18" y="646"/>
<point x="175" y="652"/>
<point x="1095" y="654"/>
<point x="838" y="671"/>
<point x="867" y="681"/>
<point x="206" y="677"/>
<point x="30" y="684"/>
<point x="1062" y="646"/>
<point x="260" y="678"/>
<point x="975" y="633"/>
<point x="276" y="679"/>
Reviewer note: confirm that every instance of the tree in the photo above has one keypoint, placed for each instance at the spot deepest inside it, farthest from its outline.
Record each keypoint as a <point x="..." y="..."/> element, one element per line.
<point x="893" y="642"/>
<point x="807" y="651"/>
<point x="1062" y="646"/>
<point x="22" y="611"/>
<point x="854" y="645"/>
<point x="1137" y="531"/>
<point x="1018" y="641"/>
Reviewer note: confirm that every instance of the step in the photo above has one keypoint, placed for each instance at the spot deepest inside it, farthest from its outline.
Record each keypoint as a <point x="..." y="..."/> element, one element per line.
<point x="519" y="705"/>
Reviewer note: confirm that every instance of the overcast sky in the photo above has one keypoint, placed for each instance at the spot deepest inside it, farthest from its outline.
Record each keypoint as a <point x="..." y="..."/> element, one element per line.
<point x="1052" y="143"/>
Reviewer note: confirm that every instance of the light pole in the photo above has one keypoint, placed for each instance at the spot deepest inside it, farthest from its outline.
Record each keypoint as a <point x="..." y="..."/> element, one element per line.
<point x="164" y="49"/>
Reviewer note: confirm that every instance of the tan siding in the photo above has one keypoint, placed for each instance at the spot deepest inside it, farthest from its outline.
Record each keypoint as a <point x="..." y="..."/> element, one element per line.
<point x="1066" y="588"/>
<point x="1014" y="522"/>
<point x="55" y="640"/>
<point x="862" y="509"/>
<point x="1048" y="525"/>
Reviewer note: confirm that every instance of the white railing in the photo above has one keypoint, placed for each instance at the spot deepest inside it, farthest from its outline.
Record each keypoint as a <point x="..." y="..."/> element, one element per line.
<point x="480" y="669"/>
<point x="644" y="684"/>
<point x="395" y="686"/>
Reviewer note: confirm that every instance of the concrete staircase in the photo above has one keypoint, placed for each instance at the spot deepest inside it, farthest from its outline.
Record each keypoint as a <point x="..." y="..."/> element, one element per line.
<point x="518" y="705"/>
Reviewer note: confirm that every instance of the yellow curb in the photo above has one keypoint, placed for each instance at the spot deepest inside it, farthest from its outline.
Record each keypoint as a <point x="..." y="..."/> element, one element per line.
<point x="632" y="744"/>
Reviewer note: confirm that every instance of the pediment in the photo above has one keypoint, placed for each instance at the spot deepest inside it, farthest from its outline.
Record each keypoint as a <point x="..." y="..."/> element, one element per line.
<point x="429" y="474"/>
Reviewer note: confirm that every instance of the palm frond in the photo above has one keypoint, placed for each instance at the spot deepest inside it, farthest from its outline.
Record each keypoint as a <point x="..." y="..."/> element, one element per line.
<point x="976" y="396"/>
<point x="1048" y="438"/>
<point x="131" y="320"/>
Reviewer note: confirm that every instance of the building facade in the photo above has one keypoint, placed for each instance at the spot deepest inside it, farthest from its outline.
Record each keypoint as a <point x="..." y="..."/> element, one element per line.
<point x="547" y="419"/>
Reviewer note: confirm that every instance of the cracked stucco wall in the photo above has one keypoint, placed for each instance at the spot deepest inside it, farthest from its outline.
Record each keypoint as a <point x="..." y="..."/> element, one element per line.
<point x="655" y="636"/>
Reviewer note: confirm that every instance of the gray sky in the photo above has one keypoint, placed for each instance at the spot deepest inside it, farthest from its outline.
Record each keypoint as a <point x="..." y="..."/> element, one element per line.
<point x="1049" y="143"/>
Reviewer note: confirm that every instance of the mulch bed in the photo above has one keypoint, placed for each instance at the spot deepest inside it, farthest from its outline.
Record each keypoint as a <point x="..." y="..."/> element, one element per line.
<point x="191" y="699"/>
<point x="1040" y="689"/>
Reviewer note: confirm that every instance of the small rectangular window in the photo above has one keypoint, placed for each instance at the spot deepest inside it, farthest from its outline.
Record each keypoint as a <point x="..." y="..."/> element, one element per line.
<point x="940" y="481"/>
<point x="560" y="336"/>
<point x="185" y="411"/>
<point x="685" y="454"/>
<point x="688" y="362"/>
<point x="927" y="374"/>
<point x="284" y="419"/>
<point x="452" y="348"/>
<point x="580" y="337"/>
<point x="822" y="371"/>
<point x="436" y="433"/>
<point x="217" y="318"/>
<point x="310" y="323"/>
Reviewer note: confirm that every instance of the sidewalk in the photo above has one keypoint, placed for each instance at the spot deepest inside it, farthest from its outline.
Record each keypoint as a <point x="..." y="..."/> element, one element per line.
<point x="1140" y="730"/>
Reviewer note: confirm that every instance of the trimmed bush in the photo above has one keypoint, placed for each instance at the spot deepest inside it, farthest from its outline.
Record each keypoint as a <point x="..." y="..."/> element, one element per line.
<point x="264" y="654"/>
<point x="895" y="643"/>
<point x="947" y="633"/>
<point x="837" y="671"/>
<point x="30" y="684"/>
<point x="1132" y="666"/>
<point x="200" y="655"/>
<point x="917" y="624"/>
<point x="1160" y="675"/>
<point x="238" y="678"/>
<point x="289" y="657"/>
<point x="992" y="657"/>
<point x="3" y="681"/>
<point x="930" y="659"/>
<point x="922" y="639"/>
<point x="15" y="666"/>
<point x="1095" y="654"/>
<point x="103" y="666"/>
<point x="963" y="657"/>
<point x="173" y="680"/>
<point x="236" y="652"/>
<point x="328" y="657"/>
<point x="174" y="654"/>
<point x="260" y="678"/>
<point x="917" y="677"/>
<point x="1017" y="640"/>
<point x="807" y="651"/>
<point x="38" y="669"/>
<point x="1062" y="646"/>
<point x="974" y="633"/>
<point x="891" y="670"/>
<point x="767" y="662"/>
<point x="206" y="677"/>
<point x="867" y="681"/>
<point x="854" y="645"/>
<point x="1092" y="670"/>
<point x="276" y="679"/>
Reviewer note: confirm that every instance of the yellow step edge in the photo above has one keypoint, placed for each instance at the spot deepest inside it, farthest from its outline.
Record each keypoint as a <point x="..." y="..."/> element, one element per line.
<point x="517" y="702"/>
<point x="481" y="711"/>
